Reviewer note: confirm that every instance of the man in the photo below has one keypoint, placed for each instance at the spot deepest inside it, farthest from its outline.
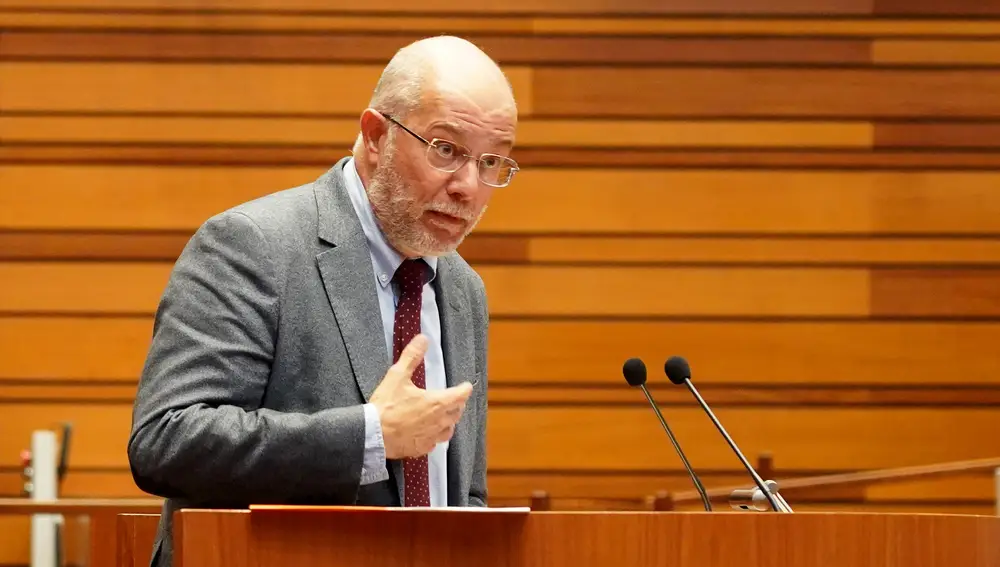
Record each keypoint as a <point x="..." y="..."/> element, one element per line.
<point x="326" y="344"/>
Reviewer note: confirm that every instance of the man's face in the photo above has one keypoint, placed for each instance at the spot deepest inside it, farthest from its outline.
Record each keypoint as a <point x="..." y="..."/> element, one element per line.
<point x="422" y="210"/>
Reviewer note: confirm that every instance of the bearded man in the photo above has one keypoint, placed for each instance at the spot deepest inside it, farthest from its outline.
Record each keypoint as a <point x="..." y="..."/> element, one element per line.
<point x="326" y="344"/>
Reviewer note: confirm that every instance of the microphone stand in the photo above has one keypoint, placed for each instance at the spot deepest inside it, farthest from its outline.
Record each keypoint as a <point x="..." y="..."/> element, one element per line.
<point x="754" y="499"/>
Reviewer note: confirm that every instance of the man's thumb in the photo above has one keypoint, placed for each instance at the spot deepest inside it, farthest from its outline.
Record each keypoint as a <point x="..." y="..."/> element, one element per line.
<point x="412" y="356"/>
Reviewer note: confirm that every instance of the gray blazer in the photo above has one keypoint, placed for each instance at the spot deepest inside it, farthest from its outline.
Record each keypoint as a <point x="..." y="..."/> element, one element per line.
<point x="266" y="342"/>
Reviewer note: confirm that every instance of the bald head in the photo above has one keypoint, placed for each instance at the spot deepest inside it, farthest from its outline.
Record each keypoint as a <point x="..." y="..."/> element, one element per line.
<point x="425" y="71"/>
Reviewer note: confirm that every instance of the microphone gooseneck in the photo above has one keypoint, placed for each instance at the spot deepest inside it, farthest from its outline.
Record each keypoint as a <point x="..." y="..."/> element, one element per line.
<point x="679" y="372"/>
<point x="634" y="371"/>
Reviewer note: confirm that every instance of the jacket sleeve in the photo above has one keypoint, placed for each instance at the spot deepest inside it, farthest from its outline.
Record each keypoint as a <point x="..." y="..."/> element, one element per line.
<point x="198" y="429"/>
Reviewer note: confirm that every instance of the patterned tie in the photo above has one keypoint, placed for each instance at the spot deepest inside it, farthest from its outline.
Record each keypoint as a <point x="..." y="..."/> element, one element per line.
<point x="410" y="278"/>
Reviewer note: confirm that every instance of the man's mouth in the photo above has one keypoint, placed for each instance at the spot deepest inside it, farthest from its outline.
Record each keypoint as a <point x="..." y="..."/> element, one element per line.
<point x="446" y="218"/>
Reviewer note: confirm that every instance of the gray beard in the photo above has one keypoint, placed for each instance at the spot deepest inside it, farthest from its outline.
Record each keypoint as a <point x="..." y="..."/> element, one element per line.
<point x="399" y="216"/>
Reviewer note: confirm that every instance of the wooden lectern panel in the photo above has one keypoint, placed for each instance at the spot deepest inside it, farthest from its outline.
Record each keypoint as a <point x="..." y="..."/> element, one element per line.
<point x="333" y="536"/>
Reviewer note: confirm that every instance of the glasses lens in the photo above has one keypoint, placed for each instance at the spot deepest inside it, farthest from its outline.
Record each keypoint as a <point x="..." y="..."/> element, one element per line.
<point x="496" y="170"/>
<point x="445" y="156"/>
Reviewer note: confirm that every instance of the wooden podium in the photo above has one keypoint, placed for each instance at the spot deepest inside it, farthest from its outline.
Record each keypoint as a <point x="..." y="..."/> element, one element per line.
<point x="281" y="536"/>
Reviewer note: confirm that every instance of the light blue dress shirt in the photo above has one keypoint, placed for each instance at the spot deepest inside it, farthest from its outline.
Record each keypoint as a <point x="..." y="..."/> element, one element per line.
<point x="385" y="260"/>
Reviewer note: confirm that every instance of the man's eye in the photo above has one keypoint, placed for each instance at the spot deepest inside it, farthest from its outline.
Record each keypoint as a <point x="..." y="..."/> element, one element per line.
<point x="444" y="149"/>
<point x="491" y="162"/>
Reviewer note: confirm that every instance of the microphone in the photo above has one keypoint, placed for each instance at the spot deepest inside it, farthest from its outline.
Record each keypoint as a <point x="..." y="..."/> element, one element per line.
<point x="679" y="372"/>
<point x="635" y="374"/>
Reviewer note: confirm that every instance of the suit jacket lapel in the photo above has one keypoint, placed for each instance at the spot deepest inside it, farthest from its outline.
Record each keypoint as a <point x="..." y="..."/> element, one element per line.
<point x="459" y="359"/>
<point x="349" y="281"/>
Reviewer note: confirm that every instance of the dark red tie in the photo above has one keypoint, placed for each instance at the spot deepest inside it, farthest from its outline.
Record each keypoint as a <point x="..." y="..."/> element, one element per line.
<point x="410" y="279"/>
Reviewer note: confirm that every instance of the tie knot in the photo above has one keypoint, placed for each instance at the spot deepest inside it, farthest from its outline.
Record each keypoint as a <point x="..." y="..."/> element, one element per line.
<point x="410" y="275"/>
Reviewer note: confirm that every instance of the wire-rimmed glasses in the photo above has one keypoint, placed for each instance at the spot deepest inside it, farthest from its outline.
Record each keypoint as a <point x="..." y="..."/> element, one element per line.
<point x="444" y="155"/>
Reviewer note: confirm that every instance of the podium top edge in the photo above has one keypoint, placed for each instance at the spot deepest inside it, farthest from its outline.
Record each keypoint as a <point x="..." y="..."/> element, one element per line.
<point x="268" y="509"/>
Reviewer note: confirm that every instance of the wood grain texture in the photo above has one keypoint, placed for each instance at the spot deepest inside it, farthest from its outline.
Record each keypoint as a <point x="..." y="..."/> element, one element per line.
<point x="730" y="352"/>
<point x="233" y="132"/>
<point x="379" y="48"/>
<point x="135" y="288"/>
<point x="930" y="7"/>
<point x="136" y="534"/>
<point x="700" y="200"/>
<point x="192" y="87"/>
<point x="718" y="7"/>
<point x="531" y="353"/>
<point x="675" y="25"/>
<point x="277" y="536"/>
<point x="948" y="135"/>
<point x="755" y="93"/>
<point x="547" y="91"/>
<point x="974" y="293"/>
<point x="675" y="157"/>
<point x="936" y="52"/>
<point x="566" y="438"/>
<point x="555" y="249"/>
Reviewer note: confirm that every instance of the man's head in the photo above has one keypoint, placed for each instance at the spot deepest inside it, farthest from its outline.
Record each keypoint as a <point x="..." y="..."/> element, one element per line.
<point x="453" y="96"/>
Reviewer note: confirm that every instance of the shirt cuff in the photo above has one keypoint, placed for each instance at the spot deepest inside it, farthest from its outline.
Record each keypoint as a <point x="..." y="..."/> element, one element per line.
<point x="373" y="470"/>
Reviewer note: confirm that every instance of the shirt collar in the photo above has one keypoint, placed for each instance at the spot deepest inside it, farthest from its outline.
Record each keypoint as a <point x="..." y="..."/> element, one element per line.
<point x="385" y="259"/>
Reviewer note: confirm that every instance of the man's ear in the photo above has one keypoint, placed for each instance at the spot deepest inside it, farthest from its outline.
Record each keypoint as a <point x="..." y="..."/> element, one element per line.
<point x="373" y="131"/>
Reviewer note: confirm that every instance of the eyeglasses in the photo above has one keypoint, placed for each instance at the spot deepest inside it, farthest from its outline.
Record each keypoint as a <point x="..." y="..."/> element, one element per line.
<point x="444" y="155"/>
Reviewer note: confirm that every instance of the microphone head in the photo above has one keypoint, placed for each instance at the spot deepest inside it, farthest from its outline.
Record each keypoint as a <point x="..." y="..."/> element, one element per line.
<point x="634" y="370"/>
<point x="677" y="369"/>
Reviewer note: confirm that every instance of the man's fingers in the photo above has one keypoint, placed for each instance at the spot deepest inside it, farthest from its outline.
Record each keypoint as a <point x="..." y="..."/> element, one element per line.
<point x="412" y="355"/>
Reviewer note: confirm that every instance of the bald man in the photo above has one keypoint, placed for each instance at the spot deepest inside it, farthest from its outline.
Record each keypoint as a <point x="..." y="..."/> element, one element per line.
<point x="326" y="344"/>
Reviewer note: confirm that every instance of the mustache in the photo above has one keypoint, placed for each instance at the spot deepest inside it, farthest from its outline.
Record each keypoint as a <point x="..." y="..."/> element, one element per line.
<point x="453" y="210"/>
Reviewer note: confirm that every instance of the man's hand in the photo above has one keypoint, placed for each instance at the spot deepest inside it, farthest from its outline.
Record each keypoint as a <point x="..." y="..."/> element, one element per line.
<point x="414" y="420"/>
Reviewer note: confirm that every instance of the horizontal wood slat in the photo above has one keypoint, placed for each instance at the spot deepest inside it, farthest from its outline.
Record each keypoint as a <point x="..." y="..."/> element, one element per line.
<point x="732" y="353"/>
<point x="610" y="292"/>
<point x="757" y="394"/>
<point x="192" y="87"/>
<point x="584" y="438"/>
<point x="619" y="438"/>
<point x="528" y="157"/>
<point x="135" y="288"/>
<point x="699" y="201"/>
<point x="841" y="93"/>
<point x="119" y="484"/>
<point x="714" y="7"/>
<point x="558" y="353"/>
<point x="503" y="22"/>
<point x="343" y="131"/>
<point x="372" y="48"/>
<point x="612" y="92"/>
<point x="937" y="134"/>
<point x="613" y="250"/>
<point x="939" y="292"/>
<point x="940" y="52"/>
<point x="736" y="7"/>
<point x="588" y="504"/>
<point x="508" y="49"/>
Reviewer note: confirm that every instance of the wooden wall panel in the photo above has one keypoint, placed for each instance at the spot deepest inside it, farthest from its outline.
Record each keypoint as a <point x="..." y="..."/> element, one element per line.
<point x="342" y="132"/>
<point x="968" y="293"/>
<point x="194" y="88"/>
<point x="698" y="201"/>
<point x="352" y="48"/>
<point x="465" y="23"/>
<point x="803" y="204"/>
<point x="754" y="93"/>
<point x="514" y="6"/>
<point x="979" y="134"/>
<point x="135" y="288"/>
<point x="554" y="437"/>
<point x="80" y="350"/>
<point x="930" y="52"/>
